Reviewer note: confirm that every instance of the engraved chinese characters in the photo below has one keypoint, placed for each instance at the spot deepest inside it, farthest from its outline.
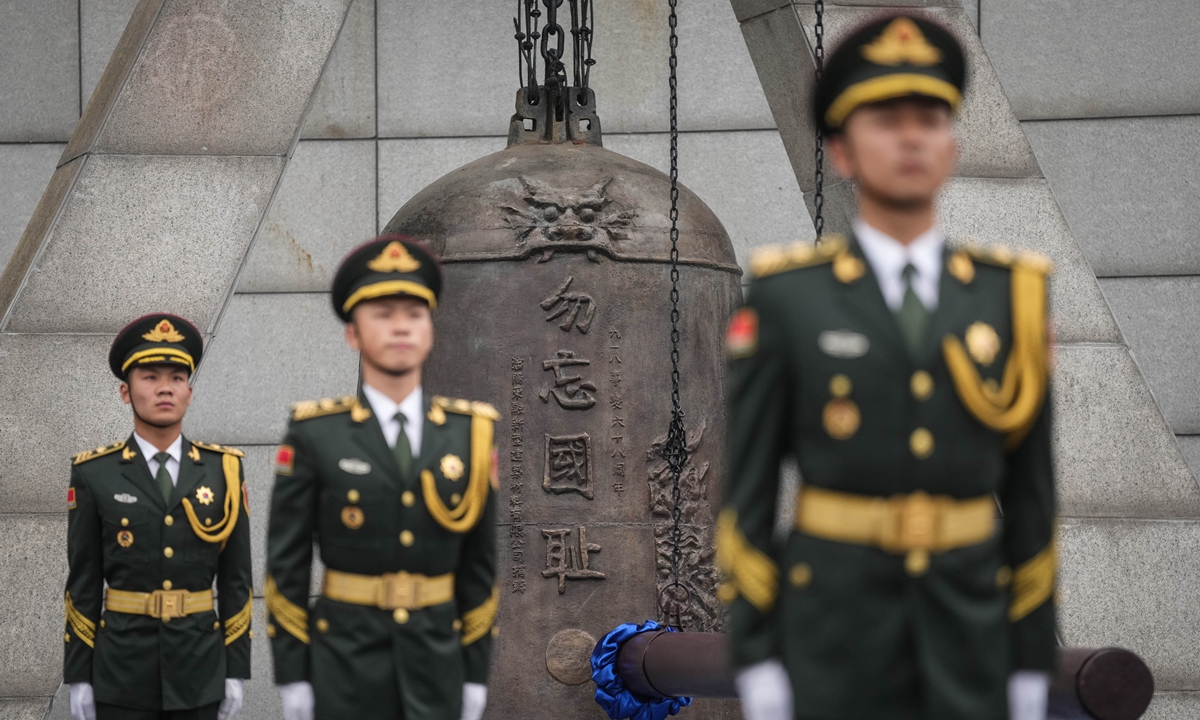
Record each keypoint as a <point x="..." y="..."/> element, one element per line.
<point x="568" y="561"/>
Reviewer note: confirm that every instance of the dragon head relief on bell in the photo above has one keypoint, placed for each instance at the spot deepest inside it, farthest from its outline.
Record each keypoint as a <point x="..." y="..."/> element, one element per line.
<point x="547" y="219"/>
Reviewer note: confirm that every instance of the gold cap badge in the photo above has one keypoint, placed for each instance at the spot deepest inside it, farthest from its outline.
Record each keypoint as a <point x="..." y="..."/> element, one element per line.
<point x="983" y="343"/>
<point x="164" y="331"/>
<point x="902" y="42"/>
<point x="394" y="258"/>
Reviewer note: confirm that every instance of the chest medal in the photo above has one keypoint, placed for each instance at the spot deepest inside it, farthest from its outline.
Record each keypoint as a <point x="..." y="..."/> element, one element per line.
<point x="841" y="418"/>
<point x="353" y="517"/>
<point x="452" y="467"/>
<point x="124" y="538"/>
<point x="204" y="495"/>
<point x="983" y="343"/>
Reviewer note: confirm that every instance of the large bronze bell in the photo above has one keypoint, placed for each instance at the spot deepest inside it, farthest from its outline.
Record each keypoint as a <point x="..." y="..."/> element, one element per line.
<point x="555" y="309"/>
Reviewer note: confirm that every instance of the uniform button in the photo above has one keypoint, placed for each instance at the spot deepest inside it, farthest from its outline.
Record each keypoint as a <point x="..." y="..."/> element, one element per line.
<point x="67" y="637"/>
<point x="921" y="385"/>
<point x="400" y="616"/>
<point x="270" y="630"/>
<point x="124" y="522"/>
<point x="801" y="575"/>
<point x="353" y="496"/>
<point x="168" y="521"/>
<point x="456" y="498"/>
<point x="1003" y="576"/>
<point x="167" y="584"/>
<point x="101" y="623"/>
<point x="407" y="538"/>
<point x="921" y="443"/>
<point x="457" y="625"/>
<point x="408" y="498"/>
<point x="840" y="386"/>
<point x="323" y="625"/>
<point x="169" y="552"/>
<point x="217" y="625"/>
<point x="250" y="634"/>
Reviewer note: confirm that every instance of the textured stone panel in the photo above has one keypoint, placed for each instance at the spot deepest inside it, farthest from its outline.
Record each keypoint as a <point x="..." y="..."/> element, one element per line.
<point x="1022" y="214"/>
<point x="223" y="78"/>
<point x="1076" y="58"/>
<point x="1115" y="454"/>
<point x="1133" y="584"/>
<point x="39" y="70"/>
<point x="717" y="85"/>
<point x="33" y="573"/>
<point x="60" y="706"/>
<point x="991" y="142"/>
<point x="344" y="103"/>
<point x="407" y="166"/>
<point x="42" y="419"/>
<point x="24" y="172"/>
<point x="1127" y="187"/>
<point x="743" y="176"/>
<point x="261" y="697"/>
<point x="145" y="234"/>
<point x="272" y="351"/>
<point x="324" y="207"/>
<point x="25" y="709"/>
<point x="1190" y="445"/>
<point x="1174" y="706"/>
<point x="101" y="24"/>
<point x="1161" y="319"/>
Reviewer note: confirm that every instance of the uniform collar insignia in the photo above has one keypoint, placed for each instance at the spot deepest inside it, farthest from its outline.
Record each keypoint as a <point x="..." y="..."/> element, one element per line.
<point x="128" y="454"/>
<point x="194" y="453"/>
<point x="902" y="42"/>
<point x="164" y="331"/>
<point x="394" y="258"/>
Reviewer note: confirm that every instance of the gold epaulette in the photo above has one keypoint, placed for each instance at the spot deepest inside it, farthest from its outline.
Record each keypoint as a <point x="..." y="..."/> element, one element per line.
<point x="218" y="448"/>
<point x="774" y="259"/>
<point x="1003" y="256"/>
<point x="466" y="407"/>
<point x="308" y="409"/>
<point x="80" y="458"/>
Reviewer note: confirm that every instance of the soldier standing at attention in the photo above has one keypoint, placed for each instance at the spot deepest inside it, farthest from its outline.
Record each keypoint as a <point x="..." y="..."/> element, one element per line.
<point x="908" y="379"/>
<point x="157" y="517"/>
<point x="395" y="487"/>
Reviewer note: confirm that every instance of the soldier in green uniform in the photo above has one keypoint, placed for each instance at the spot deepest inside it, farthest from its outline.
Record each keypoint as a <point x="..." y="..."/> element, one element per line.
<point x="157" y="518"/>
<point x="395" y="488"/>
<point x="908" y="379"/>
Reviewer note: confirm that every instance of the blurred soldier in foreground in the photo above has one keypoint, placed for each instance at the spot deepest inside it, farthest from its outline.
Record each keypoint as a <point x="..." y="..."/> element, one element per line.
<point x="396" y="488"/>
<point x="908" y="378"/>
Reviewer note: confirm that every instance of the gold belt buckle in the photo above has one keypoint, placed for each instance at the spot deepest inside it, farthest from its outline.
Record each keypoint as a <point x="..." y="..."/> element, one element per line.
<point x="918" y="526"/>
<point x="169" y="604"/>
<point x="400" y="591"/>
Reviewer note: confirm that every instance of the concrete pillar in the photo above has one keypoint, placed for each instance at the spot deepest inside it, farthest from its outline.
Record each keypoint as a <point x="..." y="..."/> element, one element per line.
<point x="155" y="201"/>
<point x="1130" y="507"/>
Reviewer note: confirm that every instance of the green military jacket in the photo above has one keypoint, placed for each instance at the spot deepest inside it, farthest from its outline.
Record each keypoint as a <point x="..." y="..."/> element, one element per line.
<point x="121" y="532"/>
<point x="338" y="485"/>
<point x="820" y="373"/>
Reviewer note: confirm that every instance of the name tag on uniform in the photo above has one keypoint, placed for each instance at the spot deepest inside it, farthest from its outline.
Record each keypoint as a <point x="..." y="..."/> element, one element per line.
<point x="354" y="466"/>
<point x="125" y="498"/>
<point x="844" y="344"/>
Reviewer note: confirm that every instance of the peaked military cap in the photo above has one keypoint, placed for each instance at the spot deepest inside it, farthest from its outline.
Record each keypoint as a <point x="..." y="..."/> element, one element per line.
<point x="893" y="57"/>
<point x="390" y="265"/>
<point x="155" y="340"/>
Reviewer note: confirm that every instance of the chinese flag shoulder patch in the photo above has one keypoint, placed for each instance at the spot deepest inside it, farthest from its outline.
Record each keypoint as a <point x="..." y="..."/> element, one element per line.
<point x="70" y="498"/>
<point x="246" y="499"/>
<point x="741" y="338"/>
<point x="285" y="460"/>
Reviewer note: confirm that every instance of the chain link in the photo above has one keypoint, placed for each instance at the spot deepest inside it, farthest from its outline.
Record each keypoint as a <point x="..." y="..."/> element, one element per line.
<point x="819" y="151"/>
<point x="549" y="43"/>
<point x="676" y="595"/>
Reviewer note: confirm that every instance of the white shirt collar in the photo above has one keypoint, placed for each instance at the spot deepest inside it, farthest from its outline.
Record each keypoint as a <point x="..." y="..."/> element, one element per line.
<point x="888" y="257"/>
<point x="385" y="410"/>
<point x="149" y="450"/>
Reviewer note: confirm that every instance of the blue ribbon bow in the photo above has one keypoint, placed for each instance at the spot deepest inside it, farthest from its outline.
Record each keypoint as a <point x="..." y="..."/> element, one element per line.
<point x="611" y="695"/>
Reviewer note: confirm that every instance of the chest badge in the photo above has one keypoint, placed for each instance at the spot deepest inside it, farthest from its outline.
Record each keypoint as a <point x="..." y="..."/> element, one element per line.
<point x="983" y="343"/>
<point x="843" y="344"/>
<point x="353" y="517"/>
<point x="841" y="418"/>
<point x="125" y="498"/>
<point x="124" y="538"/>
<point x="452" y="467"/>
<point x="354" y="466"/>
<point x="204" y="495"/>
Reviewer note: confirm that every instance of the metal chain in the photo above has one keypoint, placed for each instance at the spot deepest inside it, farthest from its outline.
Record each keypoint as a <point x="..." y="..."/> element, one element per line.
<point x="819" y="152"/>
<point x="675" y="451"/>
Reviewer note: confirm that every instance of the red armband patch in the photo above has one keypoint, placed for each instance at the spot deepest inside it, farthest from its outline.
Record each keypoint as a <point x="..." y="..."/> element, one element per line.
<point x="71" y="498"/>
<point x="741" y="338"/>
<point x="246" y="499"/>
<point x="285" y="460"/>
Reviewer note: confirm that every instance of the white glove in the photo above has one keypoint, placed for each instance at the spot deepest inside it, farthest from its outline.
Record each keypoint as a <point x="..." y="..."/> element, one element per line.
<point x="765" y="691"/>
<point x="233" y="699"/>
<point x="474" y="701"/>
<point x="83" y="702"/>
<point x="1028" y="694"/>
<point x="297" y="701"/>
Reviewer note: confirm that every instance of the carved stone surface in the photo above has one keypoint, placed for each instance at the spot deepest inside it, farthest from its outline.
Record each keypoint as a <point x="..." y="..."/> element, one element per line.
<point x="568" y="656"/>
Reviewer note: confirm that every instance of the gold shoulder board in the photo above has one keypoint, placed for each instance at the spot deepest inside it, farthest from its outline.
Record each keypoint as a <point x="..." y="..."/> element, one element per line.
<point x="775" y="259"/>
<point x="308" y="409"/>
<point x="466" y="407"/>
<point x="218" y="448"/>
<point x="80" y="458"/>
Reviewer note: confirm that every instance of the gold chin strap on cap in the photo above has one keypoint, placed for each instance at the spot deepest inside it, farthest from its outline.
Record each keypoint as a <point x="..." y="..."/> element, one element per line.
<point x="220" y="531"/>
<point x="1012" y="408"/>
<point x="464" y="517"/>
